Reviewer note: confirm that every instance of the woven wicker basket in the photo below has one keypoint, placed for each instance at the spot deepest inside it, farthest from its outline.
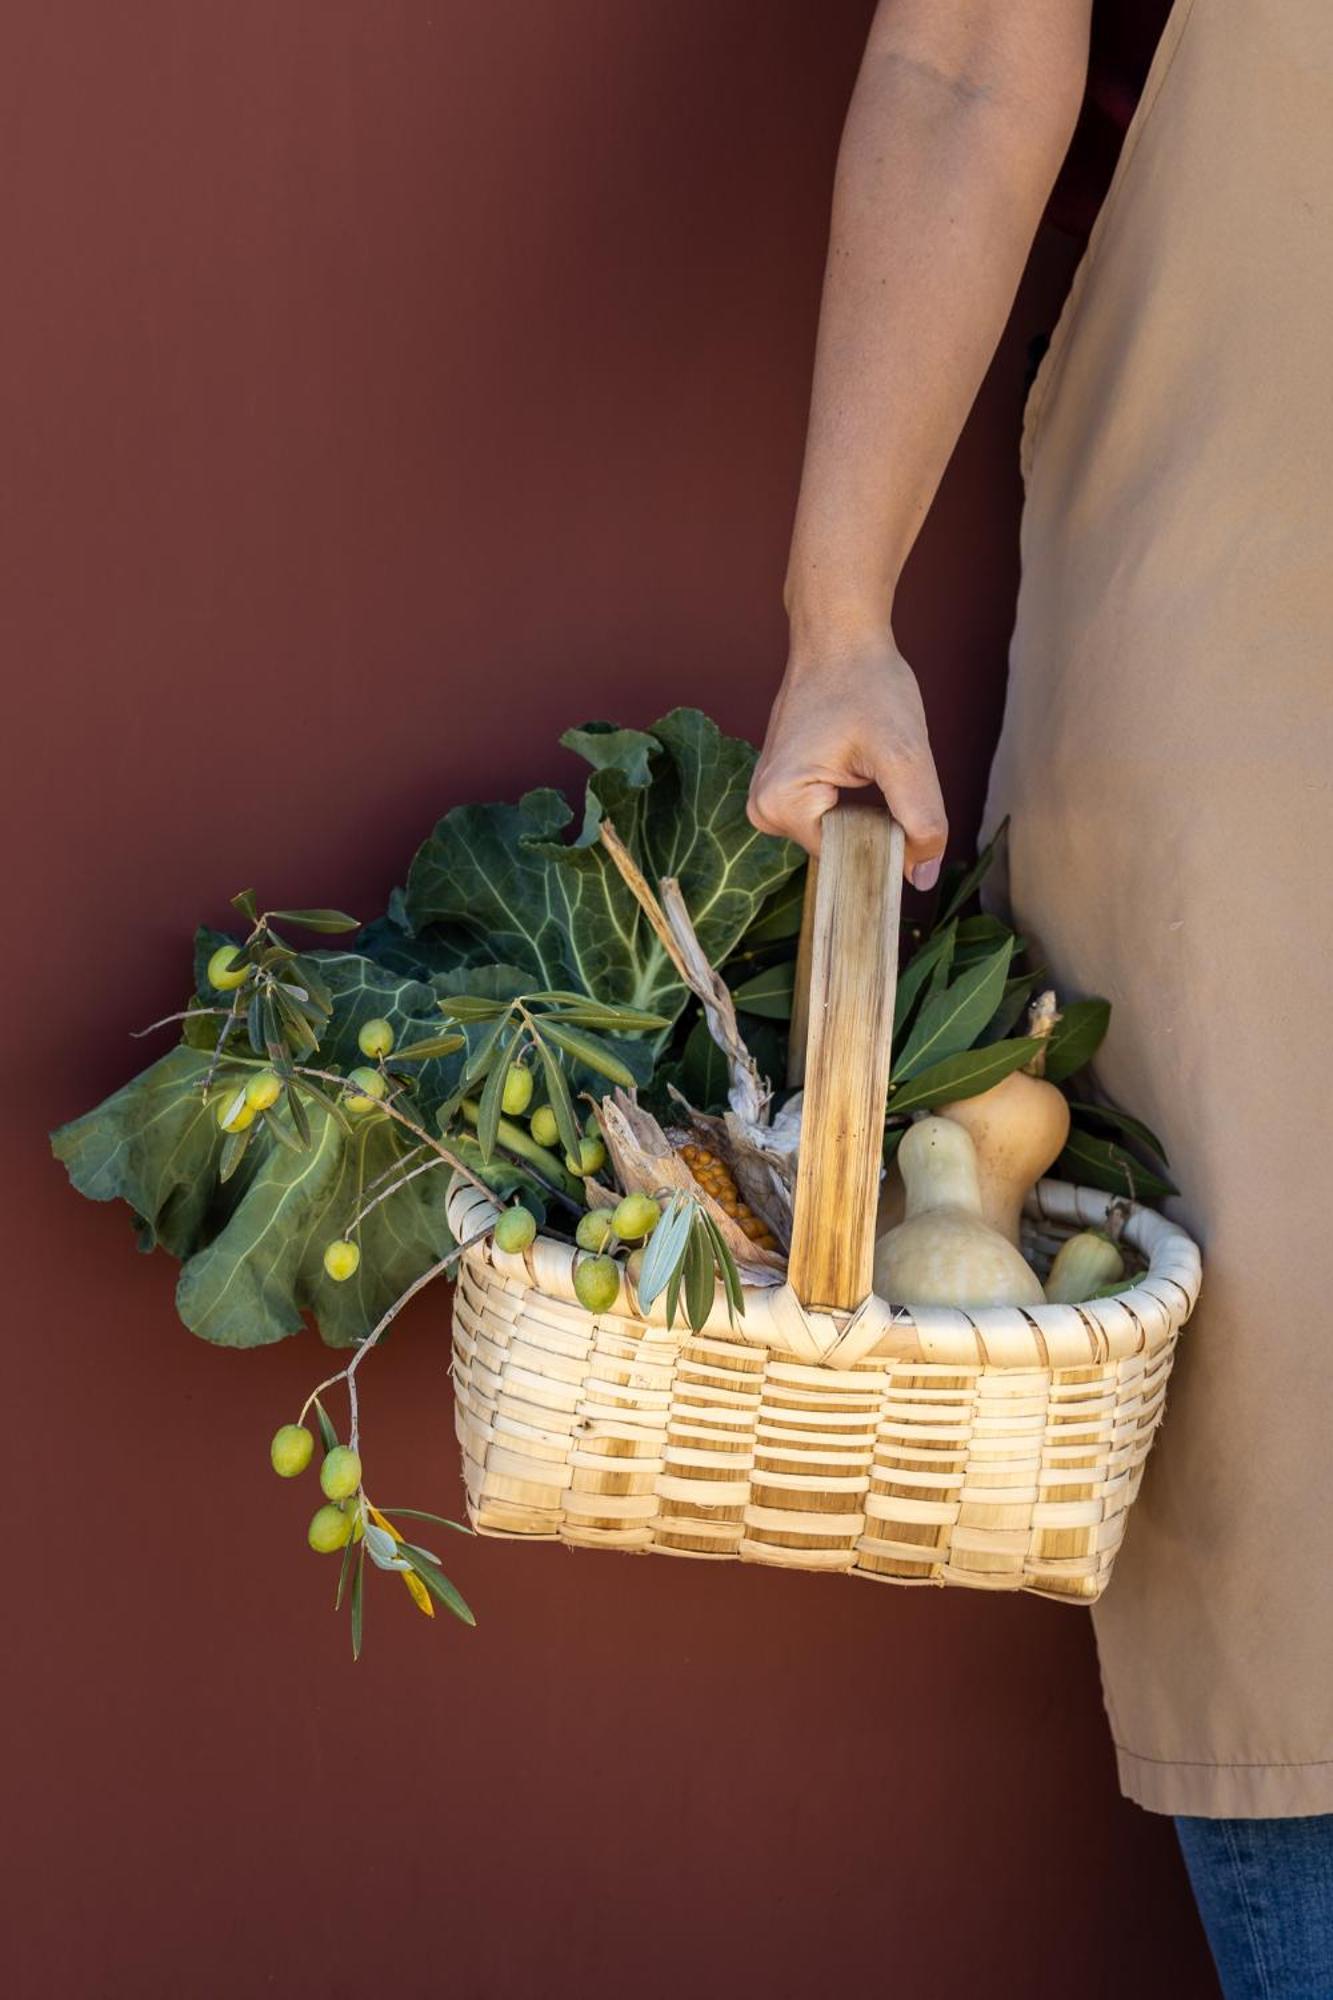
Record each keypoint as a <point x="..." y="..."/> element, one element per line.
<point x="999" y="1449"/>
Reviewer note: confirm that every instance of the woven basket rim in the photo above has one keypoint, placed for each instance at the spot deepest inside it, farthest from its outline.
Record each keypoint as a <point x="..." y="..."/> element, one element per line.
<point x="1137" y="1321"/>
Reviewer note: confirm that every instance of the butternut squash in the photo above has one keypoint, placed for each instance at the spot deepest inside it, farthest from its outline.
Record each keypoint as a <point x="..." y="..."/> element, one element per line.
<point x="1019" y="1128"/>
<point x="944" y="1253"/>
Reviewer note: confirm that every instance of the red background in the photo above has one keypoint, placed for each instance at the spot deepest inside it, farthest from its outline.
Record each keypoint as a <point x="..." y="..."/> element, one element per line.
<point x="387" y="387"/>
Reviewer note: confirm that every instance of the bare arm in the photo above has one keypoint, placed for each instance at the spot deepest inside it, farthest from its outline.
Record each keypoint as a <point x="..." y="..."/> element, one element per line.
<point x="961" y="116"/>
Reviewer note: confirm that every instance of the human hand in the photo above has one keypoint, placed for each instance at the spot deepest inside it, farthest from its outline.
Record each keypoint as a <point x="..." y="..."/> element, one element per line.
<point x="853" y="716"/>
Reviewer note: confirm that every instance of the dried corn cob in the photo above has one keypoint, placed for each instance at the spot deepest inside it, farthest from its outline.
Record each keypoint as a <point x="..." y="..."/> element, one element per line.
<point x="716" y="1178"/>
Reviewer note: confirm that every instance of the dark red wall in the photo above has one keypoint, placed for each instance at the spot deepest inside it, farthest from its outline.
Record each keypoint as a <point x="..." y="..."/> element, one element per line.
<point x="387" y="386"/>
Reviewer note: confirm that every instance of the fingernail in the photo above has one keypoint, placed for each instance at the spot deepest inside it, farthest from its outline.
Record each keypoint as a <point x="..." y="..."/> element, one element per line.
<point x="926" y="874"/>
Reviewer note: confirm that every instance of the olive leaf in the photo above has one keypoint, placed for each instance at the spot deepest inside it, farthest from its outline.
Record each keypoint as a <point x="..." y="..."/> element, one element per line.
<point x="912" y="979"/>
<point x="964" y="1075"/>
<point x="971" y="880"/>
<point x="327" y="1434"/>
<point x="358" y="1602"/>
<point x="1013" y="1003"/>
<point x="770" y="993"/>
<point x="317" y="920"/>
<point x="437" y="1583"/>
<point x="1096" y="1162"/>
<point x="1076" y="1038"/>
<point x="666" y="1250"/>
<point x="1087" y="1109"/>
<point x="950" y="1022"/>
<point x="588" y="1050"/>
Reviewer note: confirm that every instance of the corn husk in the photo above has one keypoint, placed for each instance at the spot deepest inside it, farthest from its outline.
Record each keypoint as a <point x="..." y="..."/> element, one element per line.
<point x="646" y="1162"/>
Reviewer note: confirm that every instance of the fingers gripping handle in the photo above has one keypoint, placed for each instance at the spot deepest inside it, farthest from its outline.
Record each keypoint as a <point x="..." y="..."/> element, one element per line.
<point x="853" y="956"/>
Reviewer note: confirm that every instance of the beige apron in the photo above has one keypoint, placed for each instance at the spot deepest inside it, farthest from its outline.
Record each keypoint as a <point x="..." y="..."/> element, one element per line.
<point x="1166" y="756"/>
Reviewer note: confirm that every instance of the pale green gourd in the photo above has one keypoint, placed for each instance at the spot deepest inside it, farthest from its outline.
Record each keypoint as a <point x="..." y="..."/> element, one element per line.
<point x="944" y="1253"/>
<point x="1083" y="1266"/>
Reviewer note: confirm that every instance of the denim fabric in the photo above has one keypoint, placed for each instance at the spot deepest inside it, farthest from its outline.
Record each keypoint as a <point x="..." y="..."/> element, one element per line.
<point x="1265" y="1892"/>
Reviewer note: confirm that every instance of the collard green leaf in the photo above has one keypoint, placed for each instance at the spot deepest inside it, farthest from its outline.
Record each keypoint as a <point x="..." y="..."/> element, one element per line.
<point x="253" y="1281"/>
<point x="154" y="1144"/>
<point x="780" y="917"/>
<point x="963" y="1075"/>
<point x="950" y="1022"/>
<point x="503" y="881"/>
<point x="701" y="1074"/>
<point x="1076" y="1037"/>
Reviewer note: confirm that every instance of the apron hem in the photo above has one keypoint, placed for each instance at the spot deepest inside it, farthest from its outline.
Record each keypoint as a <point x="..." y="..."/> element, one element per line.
<point x="1226" y="1791"/>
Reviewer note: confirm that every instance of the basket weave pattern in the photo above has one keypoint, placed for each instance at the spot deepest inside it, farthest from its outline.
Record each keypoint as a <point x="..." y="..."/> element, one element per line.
<point x="999" y="1449"/>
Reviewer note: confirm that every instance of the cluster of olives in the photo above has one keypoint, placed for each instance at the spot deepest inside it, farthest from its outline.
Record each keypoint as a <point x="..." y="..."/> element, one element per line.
<point x="238" y="1109"/>
<point x="364" y="1091"/>
<point x="340" y="1520"/>
<point x="515" y="1100"/>
<point x="600" y="1232"/>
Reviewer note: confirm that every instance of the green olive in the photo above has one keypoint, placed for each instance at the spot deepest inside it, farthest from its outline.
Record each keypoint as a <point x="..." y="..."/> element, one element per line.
<point x="223" y="971"/>
<point x="341" y="1260"/>
<point x="593" y="1229"/>
<point x="515" y="1229"/>
<point x="597" y="1283"/>
<point x="591" y="1157"/>
<point x="263" y="1091"/>
<point x="291" y="1450"/>
<point x="234" y="1113"/>
<point x="375" y="1039"/>
<point x="517" y="1093"/>
<point x="366" y="1088"/>
<point x="635" y="1218"/>
<point x="340" y="1474"/>
<point x="544" y="1126"/>
<point x="329" y="1530"/>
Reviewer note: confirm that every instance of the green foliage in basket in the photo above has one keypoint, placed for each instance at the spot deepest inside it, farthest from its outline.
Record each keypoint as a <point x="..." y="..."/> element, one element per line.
<point x="965" y="990"/>
<point x="294" y="1150"/>
<point x="501" y="881"/>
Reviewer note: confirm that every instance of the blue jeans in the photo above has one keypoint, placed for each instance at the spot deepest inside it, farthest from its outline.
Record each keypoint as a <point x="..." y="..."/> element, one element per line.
<point x="1265" y="1892"/>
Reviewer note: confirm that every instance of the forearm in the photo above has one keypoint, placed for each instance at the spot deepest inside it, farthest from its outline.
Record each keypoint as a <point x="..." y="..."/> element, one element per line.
<point x="959" y="121"/>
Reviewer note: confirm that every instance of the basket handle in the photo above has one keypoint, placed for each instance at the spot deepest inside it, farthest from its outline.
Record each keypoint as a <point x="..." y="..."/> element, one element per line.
<point x="852" y="957"/>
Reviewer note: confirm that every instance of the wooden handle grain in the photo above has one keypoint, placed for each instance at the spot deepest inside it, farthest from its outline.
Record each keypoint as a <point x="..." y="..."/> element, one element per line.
<point x="853" y="955"/>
